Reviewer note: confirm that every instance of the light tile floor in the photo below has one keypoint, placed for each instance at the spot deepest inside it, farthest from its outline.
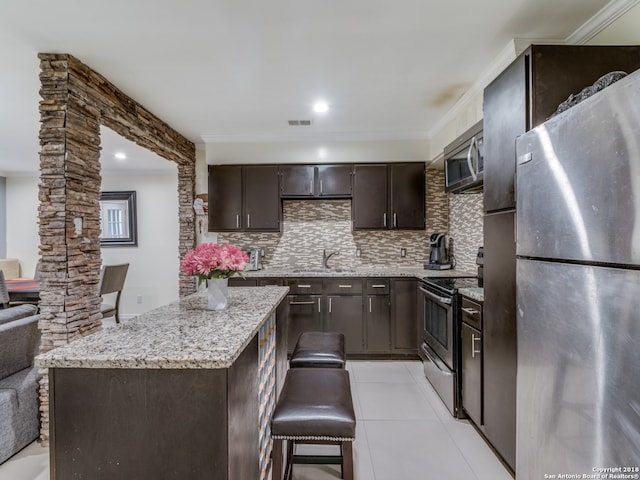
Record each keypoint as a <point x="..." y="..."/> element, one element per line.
<point x="404" y="432"/>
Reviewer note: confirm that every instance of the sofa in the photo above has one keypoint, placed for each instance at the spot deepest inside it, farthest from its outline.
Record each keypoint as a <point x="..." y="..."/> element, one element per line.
<point x="10" y="267"/>
<point x="19" y="342"/>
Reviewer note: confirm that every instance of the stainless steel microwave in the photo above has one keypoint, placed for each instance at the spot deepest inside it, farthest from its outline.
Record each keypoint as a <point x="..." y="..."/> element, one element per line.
<point x="464" y="162"/>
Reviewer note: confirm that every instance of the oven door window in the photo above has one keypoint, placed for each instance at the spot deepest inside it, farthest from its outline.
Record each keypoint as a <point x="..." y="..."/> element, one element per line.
<point x="435" y="322"/>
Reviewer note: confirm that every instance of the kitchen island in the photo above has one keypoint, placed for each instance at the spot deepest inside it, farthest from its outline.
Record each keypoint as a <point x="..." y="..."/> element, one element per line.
<point x="179" y="392"/>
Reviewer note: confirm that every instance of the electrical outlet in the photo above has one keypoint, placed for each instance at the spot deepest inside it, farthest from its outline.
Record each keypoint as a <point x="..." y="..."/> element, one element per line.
<point x="262" y="252"/>
<point x="403" y="252"/>
<point x="139" y="299"/>
<point x="358" y="252"/>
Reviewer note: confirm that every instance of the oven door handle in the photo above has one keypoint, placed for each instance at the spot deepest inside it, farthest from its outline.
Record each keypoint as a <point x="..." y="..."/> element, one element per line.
<point x="436" y="298"/>
<point x="435" y="360"/>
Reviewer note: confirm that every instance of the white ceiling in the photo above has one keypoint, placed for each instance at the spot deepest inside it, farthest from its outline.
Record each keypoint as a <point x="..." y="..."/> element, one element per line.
<point x="236" y="71"/>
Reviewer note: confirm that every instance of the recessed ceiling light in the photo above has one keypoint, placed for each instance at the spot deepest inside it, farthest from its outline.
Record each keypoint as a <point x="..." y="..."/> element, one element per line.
<point x="120" y="156"/>
<point x="322" y="153"/>
<point x="320" y="106"/>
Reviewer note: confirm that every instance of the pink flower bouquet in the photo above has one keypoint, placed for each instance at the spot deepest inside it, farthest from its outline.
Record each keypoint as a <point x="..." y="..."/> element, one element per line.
<point x="212" y="260"/>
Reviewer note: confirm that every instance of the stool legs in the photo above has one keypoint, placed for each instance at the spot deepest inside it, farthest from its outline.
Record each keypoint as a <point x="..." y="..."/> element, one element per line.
<point x="276" y="471"/>
<point x="347" y="460"/>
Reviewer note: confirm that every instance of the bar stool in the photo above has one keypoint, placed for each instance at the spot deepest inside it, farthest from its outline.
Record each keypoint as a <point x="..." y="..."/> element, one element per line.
<point x="319" y="349"/>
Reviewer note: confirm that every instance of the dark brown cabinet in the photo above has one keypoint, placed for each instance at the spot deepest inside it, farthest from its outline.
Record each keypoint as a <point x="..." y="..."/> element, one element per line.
<point x="404" y="315"/>
<point x="297" y="180"/>
<point x="305" y="308"/>
<point x="225" y="198"/>
<point x="389" y="196"/>
<point x="344" y="315"/>
<point x="334" y="180"/>
<point x="527" y="93"/>
<point x="303" y="181"/>
<point x="244" y="198"/>
<point x="472" y="373"/>
<point x="378" y="316"/>
<point x="407" y="187"/>
<point x="344" y="311"/>
<point x="472" y="365"/>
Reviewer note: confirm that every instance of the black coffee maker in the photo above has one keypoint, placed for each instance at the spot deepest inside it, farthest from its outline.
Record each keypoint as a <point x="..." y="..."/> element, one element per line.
<point x="439" y="252"/>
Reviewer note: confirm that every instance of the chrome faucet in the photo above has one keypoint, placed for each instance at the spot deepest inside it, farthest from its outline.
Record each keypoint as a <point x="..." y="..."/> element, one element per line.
<point x="325" y="257"/>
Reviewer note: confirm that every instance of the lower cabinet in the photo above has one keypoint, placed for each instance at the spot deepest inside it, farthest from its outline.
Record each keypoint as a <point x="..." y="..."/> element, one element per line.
<point x="344" y="315"/>
<point x="305" y="315"/>
<point x="378" y="316"/>
<point x="404" y="315"/>
<point x="472" y="361"/>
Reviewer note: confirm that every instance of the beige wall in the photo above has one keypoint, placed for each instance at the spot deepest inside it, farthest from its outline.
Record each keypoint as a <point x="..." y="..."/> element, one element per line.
<point x="153" y="271"/>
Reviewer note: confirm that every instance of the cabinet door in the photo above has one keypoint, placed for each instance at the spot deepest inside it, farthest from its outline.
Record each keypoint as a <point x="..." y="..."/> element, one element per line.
<point x="404" y="315"/>
<point x="344" y="315"/>
<point x="505" y="118"/>
<point x="261" y="198"/>
<point x="378" y="315"/>
<point x="369" y="205"/>
<point x="225" y="198"/>
<point x="304" y="316"/>
<point x="297" y="180"/>
<point x="472" y="373"/>
<point x="334" y="180"/>
<point x="407" y="189"/>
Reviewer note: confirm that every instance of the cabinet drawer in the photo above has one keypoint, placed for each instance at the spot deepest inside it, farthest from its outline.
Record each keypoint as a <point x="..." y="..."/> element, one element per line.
<point x="305" y="286"/>
<point x="377" y="286"/>
<point x="472" y="313"/>
<point x="242" y="282"/>
<point x="268" y="282"/>
<point x="343" y="286"/>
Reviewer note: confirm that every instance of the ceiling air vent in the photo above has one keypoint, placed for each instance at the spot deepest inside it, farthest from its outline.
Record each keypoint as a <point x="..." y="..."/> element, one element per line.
<point x="302" y="123"/>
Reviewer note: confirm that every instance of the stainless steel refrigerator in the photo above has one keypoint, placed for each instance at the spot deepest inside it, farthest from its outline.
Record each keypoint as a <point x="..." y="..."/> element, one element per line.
<point x="578" y="288"/>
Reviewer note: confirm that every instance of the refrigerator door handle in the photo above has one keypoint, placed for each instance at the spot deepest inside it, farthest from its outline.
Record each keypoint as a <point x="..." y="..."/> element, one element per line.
<point x="525" y="158"/>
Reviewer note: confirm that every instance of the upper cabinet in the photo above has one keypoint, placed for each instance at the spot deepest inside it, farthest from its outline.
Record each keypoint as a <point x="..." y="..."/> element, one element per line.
<point x="389" y="196"/>
<point x="303" y="181"/>
<point x="244" y="198"/>
<point x="527" y="93"/>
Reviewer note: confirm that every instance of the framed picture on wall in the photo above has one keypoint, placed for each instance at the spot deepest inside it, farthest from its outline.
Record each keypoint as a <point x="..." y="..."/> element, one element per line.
<point x="118" y="222"/>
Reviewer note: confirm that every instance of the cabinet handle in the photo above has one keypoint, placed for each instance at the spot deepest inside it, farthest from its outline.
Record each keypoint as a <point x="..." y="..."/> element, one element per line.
<point x="321" y="186"/>
<point x="311" y="187"/>
<point x="329" y="304"/>
<point x="248" y="220"/>
<point x="473" y="345"/>
<point x="319" y="311"/>
<point x="378" y="286"/>
<point x="384" y="219"/>
<point x="345" y="286"/>
<point x="369" y="304"/>
<point x="302" y="303"/>
<point x="395" y="220"/>
<point x="471" y="311"/>
<point x="304" y="286"/>
<point x="237" y="220"/>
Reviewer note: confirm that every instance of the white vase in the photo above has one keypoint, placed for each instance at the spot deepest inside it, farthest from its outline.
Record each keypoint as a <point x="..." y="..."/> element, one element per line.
<point x="217" y="293"/>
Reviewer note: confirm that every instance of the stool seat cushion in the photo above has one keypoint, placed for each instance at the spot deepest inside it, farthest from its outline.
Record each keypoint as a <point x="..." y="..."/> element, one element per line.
<point x="319" y="349"/>
<point x="315" y="404"/>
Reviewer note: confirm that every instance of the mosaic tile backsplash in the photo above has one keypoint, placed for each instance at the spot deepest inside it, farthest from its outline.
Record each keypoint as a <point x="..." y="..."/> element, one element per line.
<point x="311" y="226"/>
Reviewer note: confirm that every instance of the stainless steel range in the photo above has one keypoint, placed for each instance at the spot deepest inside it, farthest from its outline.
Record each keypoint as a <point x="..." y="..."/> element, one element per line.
<point x="440" y="346"/>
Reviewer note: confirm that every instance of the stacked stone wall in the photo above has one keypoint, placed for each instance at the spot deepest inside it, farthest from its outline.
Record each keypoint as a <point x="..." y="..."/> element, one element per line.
<point x="76" y="101"/>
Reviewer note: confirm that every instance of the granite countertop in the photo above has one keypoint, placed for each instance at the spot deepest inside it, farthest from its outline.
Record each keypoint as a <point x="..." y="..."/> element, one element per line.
<point x="377" y="271"/>
<point x="180" y="335"/>
<point x="475" y="293"/>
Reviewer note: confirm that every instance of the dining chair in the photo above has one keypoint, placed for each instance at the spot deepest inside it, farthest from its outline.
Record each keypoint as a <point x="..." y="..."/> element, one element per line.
<point x="112" y="279"/>
<point x="4" y="293"/>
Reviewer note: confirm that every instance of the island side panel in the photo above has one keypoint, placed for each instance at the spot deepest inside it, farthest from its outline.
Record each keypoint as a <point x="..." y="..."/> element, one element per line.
<point x="243" y="414"/>
<point x="111" y="424"/>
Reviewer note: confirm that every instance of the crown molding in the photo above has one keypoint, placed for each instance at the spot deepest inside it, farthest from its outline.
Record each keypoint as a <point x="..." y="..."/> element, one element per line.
<point x="601" y="20"/>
